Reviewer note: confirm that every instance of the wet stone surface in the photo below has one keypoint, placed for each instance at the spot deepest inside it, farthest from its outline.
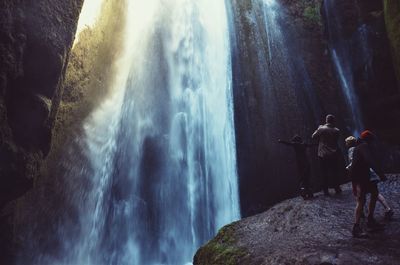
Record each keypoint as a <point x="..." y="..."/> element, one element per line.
<point x="314" y="232"/>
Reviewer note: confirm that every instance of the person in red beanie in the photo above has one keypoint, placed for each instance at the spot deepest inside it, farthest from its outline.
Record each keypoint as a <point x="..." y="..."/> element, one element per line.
<point x="363" y="161"/>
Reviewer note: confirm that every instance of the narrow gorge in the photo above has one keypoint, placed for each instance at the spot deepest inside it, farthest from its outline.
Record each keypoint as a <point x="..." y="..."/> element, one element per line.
<point x="132" y="131"/>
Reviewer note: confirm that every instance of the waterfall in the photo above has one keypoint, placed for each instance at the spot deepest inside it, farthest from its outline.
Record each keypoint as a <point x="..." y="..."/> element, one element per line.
<point x="285" y="67"/>
<point x="159" y="155"/>
<point x="341" y="52"/>
<point x="275" y="98"/>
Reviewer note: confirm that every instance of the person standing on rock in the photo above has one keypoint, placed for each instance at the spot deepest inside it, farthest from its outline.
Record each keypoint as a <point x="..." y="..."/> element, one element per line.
<point x="303" y="165"/>
<point x="351" y="143"/>
<point x="329" y="154"/>
<point x="360" y="170"/>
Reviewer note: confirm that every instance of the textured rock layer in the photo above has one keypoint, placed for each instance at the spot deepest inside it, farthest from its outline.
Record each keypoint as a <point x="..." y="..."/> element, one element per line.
<point x="392" y="17"/>
<point x="311" y="232"/>
<point x="35" y="40"/>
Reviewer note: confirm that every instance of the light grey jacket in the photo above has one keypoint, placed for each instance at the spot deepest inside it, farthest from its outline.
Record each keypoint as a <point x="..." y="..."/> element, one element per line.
<point x="328" y="136"/>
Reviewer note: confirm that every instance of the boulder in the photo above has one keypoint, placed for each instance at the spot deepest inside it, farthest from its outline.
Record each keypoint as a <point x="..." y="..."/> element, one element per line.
<point x="299" y="232"/>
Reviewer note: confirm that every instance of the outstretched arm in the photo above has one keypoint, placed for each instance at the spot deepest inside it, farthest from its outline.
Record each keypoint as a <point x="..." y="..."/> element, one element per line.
<point x="285" y="142"/>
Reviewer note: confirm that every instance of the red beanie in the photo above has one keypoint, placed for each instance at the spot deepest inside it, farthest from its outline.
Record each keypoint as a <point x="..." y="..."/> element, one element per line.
<point x="366" y="135"/>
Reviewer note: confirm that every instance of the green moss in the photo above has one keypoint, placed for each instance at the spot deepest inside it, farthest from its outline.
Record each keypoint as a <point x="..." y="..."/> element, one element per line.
<point x="311" y="12"/>
<point x="222" y="250"/>
<point x="392" y="18"/>
<point x="88" y="78"/>
<point x="90" y="71"/>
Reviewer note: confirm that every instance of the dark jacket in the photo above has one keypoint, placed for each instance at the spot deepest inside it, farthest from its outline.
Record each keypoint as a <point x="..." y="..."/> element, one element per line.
<point x="363" y="160"/>
<point x="303" y="165"/>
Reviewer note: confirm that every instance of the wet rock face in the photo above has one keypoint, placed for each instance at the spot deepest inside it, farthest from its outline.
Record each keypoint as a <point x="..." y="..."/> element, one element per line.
<point x="268" y="106"/>
<point x="372" y="63"/>
<point x="35" y="39"/>
<point x="375" y="77"/>
<point x="284" y="84"/>
<point x="308" y="233"/>
<point x="392" y="19"/>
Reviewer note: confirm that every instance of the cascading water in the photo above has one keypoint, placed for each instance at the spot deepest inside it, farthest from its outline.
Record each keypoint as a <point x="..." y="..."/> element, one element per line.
<point x="160" y="176"/>
<point x="283" y="59"/>
<point x="275" y="98"/>
<point x="341" y="52"/>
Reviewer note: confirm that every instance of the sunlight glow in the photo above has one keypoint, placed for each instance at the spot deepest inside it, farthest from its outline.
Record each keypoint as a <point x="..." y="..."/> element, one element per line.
<point x="89" y="14"/>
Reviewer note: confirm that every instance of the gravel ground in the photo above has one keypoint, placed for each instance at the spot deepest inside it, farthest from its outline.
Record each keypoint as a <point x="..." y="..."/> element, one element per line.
<point x="313" y="232"/>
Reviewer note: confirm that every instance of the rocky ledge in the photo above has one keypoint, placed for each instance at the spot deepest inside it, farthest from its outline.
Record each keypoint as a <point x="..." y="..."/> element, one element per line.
<point x="308" y="232"/>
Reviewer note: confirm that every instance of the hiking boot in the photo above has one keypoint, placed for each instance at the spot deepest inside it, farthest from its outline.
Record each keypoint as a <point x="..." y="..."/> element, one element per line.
<point x="372" y="224"/>
<point x="358" y="232"/>
<point x="389" y="214"/>
<point x="303" y="193"/>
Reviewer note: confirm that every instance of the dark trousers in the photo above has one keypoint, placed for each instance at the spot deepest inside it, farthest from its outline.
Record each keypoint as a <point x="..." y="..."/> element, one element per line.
<point x="330" y="172"/>
<point x="304" y="177"/>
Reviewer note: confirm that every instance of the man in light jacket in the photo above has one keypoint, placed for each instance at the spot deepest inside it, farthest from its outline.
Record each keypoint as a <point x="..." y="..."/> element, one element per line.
<point x="329" y="154"/>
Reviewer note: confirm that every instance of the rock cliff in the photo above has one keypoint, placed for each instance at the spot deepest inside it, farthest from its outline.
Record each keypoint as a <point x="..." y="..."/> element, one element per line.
<point x="88" y="79"/>
<point x="35" y="40"/>
<point x="392" y="18"/>
<point x="311" y="232"/>
<point x="285" y="82"/>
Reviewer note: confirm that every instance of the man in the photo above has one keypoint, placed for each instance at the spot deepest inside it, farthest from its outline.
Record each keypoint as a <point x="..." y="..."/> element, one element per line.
<point x="329" y="154"/>
<point x="303" y="165"/>
<point x="360" y="170"/>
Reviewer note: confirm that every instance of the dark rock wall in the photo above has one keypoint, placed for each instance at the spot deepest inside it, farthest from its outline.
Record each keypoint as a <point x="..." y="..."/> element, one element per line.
<point x="373" y="67"/>
<point x="375" y="77"/>
<point x="35" y="40"/>
<point x="89" y="78"/>
<point x="392" y="18"/>
<point x="268" y="106"/>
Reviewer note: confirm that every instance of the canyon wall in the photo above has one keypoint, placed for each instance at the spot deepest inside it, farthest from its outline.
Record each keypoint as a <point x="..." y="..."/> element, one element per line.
<point x="277" y="41"/>
<point x="392" y="18"/>
<point x="36" y="37"/>
<point x="35" y="40"/>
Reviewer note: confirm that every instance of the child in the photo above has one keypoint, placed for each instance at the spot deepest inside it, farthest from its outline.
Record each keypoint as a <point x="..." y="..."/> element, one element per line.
<point x="303" y="166"/>
<point x="351" y="143"/>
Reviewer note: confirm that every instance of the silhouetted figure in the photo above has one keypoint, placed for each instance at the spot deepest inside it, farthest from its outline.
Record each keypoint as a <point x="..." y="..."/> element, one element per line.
<point x="329" y="154"/>
<point x="303" y="165"/>
<point x="362" y="163"/>
<point x="351" y="143"/>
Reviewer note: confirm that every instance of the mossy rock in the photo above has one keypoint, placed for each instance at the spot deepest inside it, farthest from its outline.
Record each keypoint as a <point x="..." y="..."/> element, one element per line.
<point x="311" y="12"/>
<point x="222" y="250"/>
<point x="392" y="18"/>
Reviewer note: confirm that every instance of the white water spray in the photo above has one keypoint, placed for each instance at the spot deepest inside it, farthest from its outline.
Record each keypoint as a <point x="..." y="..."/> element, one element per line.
<point x="161" y="150"/>
<point x="341" y="56"/>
